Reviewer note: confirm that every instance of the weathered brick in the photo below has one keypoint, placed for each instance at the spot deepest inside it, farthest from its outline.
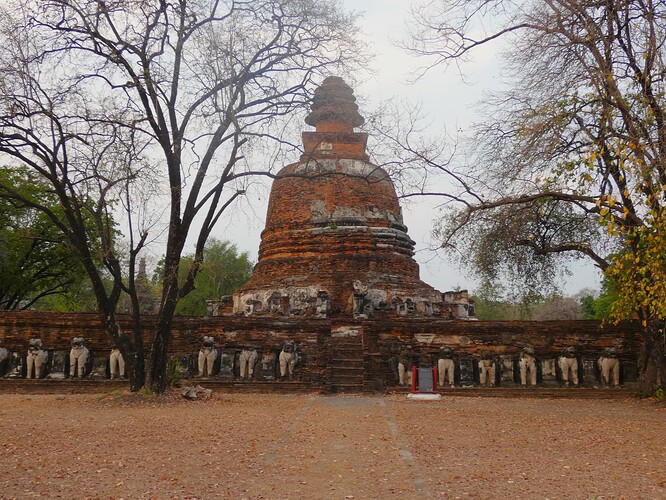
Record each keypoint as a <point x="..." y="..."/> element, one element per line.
<point x="334" y="220"/>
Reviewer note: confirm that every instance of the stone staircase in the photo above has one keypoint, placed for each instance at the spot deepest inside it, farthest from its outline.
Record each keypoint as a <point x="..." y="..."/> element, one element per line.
<point x="346" y="367"/>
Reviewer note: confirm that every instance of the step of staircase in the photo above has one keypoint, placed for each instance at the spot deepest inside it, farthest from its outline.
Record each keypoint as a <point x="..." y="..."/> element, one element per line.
<point x="355" y="362"/>
<point x="350" y="370"/>
<point x="356" y="378"/>
<point x="346" y="365"/>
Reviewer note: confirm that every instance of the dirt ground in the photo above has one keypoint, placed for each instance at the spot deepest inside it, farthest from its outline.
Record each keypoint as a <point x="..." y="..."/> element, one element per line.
<point x="310" y="446"/>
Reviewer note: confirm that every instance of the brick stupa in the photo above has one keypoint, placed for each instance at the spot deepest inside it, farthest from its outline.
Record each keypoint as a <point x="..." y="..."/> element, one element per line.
<point x="335" y="244"/>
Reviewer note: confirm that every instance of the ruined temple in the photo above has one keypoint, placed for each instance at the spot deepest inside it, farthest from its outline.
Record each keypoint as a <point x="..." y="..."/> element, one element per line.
<point x="335" y="244"/>
<point x="335" y="302"/>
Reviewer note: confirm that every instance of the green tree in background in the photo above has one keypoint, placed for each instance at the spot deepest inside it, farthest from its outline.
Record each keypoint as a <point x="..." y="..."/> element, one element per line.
<point x="223" y="270"/>
<point x="492" y="303"/>
<point x="601" y="307"/>
<point x="77" y="297"/>
<point x="37" y="265"/>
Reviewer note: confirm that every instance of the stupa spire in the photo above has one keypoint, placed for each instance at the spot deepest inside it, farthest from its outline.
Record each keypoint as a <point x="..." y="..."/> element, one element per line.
<point x="334" y="107"/>
<point x="334" y="114"/>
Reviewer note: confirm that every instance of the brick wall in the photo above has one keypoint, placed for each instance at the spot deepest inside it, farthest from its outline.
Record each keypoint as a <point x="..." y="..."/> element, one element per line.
<point x="380" y="339"/>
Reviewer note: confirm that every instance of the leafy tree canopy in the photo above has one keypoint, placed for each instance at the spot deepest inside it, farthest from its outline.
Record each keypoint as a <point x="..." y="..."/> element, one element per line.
<point x="37" y="265"/>
<point x="222" y="271"/>
<point x="569" y="159"/>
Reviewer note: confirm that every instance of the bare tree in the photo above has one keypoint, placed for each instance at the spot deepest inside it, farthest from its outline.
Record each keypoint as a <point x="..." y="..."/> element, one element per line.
<point x="571" y="158"/>
<point x="189" y="86"/>
<point x="558" y="308"/>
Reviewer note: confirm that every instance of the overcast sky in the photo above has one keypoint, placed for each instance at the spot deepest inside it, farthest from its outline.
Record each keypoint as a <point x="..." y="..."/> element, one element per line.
<point x="449" y="103"/>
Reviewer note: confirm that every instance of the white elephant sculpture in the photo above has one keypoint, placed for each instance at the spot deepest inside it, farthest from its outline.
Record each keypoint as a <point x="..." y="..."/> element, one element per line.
<point x="207" y="357"/>
<point x="569" y="365"/>
<point x="116" y="363"/>
<point x="445" y="367"/>
<point x="288" y="358"/>
<point x="405" y="366"/>
<point x="610" y="367"/>
<point x="487" y="372"/>
<point x="35" y="359"/>
<point x="528" y="366"/>
<point x="247" y="360"/>
<point x="78" y="357"/>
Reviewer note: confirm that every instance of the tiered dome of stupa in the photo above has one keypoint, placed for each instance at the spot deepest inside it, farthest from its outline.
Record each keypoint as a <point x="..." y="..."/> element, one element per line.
<point x="335" y="243"/>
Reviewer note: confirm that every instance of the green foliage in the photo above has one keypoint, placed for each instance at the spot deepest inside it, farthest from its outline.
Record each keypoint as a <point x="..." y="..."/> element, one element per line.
<point x="588" y="307"/>
<point x="37" y="265"/>
<point x="488" y="309"/>
<point x="510" y="245"/>
<point x="600" y="307"/>
<point x="222" y="271"/>
<point x="659" y="393"/>
<point x="569" y="158"/>
<point x="174" y="372"/>
<point x="640" y="270"/>
<point x="147" y="392"/>
<point x="491" y="303"/>
<point x="76" y="298"/>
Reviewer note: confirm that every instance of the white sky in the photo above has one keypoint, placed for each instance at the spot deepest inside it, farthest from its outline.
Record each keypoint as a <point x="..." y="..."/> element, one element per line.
<point x="449" y="103"/>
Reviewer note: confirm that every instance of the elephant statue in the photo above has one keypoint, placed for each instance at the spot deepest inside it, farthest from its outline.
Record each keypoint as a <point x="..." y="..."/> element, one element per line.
<point x="36" y="358"/>
<point x="78" y="357"/>
<point x="609" y="366"/>
<point x="487" y="372"/>
<point x="116" y="363"/>
<point x="207" y="357"/>
<point x="445" y="367"/>
<point x="247" y="360"/>
<point x="288" y="359"/>
<point x="528" y="366"/>
<point x="569" y="365"/>
<point x="266" y="366"/>
<point x="405" y="360"/>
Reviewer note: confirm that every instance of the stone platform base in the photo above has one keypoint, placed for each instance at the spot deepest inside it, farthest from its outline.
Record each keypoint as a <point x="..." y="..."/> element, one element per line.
<point x="46" y="386"/>
<point x="539" y="392"/>
<point x="22" y="386"/>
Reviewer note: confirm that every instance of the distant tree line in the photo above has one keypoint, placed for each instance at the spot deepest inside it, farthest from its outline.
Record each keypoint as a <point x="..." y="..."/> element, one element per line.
<point x="586" y="304"/>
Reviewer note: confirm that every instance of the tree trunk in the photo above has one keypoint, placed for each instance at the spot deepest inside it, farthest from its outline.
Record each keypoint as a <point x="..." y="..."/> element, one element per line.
<point x="160" y="353"/>
<point x="135" y="366"/>
<point x="148" y="371"/>
<point x="133" y="356"/>
<point x="137" y="374"/>
<point x="652" y="360"/>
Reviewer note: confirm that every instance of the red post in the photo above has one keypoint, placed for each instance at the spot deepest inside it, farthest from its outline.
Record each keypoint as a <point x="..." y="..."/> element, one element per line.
<point x="414" y="373"/>
<point x="435" y="374"/>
